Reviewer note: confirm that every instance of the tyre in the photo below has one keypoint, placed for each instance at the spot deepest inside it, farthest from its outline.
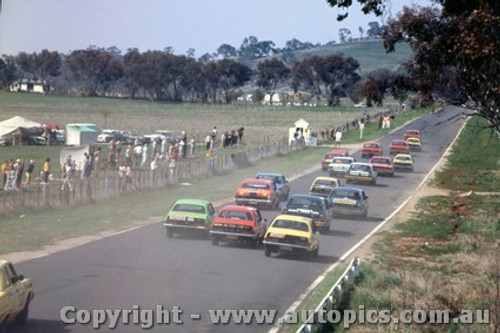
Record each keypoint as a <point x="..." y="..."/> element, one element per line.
<point x="254" y="243"/>
<point x="170" y="232"/>
<point x="22" y="317"/>
<point x="215" y="241"/>
<point x="267" y="251"/>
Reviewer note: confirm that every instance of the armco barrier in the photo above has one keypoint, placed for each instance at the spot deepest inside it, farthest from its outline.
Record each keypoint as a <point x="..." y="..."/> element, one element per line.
<point x="333" y="297"/>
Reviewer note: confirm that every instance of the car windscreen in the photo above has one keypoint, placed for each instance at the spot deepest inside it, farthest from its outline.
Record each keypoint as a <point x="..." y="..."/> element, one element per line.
<point x="404" y="158"/>
<point x="324" y="183"/>
<point x="189" y="208"/>
<point x="294" y="225"/>
<point x="360" y="167"/>
<point x="234" y="214"/>
<point x="380" y="160"/>
<point x="305" y="203"/>
<point x="339" y="193"/>
<point x="341" y="161"/>
<point x="256" y="186"/>
<point x="276" y="179"/>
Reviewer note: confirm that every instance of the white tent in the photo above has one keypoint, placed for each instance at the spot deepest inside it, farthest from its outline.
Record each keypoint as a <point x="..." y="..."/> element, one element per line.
<point x="81" y="134"/>
<point x="7" y="127"/>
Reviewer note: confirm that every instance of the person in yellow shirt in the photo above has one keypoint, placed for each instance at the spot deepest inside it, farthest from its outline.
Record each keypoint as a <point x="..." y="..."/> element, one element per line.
<point x="5" y="172"/>
<point x="46" y="171"/>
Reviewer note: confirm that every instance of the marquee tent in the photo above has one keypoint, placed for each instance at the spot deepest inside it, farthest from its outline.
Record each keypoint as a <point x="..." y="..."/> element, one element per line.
<point x="20" y="125"/>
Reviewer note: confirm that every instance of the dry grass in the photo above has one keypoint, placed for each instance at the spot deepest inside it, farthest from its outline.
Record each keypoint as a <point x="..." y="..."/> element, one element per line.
<point x="261" y="123"/>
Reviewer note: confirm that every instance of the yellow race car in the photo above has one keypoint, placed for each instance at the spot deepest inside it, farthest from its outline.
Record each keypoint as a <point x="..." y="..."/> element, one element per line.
<point x="414" y="143"/>
<point x="292" y="234"/>
<point x="403" y="162"/>
<point x="322" y="186"/>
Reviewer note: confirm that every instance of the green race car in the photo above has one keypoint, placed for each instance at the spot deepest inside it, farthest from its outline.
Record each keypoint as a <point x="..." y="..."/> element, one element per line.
<point x="189" y="215"/>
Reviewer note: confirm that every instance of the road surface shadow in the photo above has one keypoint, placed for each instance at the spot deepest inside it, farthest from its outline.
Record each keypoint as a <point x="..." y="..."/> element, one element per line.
<point x="323" y="259"/>
<point x="39" y="326"/>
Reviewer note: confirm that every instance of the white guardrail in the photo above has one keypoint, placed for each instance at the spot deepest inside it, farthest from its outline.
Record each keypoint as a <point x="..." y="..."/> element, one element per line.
<point x="333" y="297"/>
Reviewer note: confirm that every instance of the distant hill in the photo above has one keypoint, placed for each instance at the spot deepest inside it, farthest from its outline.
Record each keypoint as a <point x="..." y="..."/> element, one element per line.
<point x="370" y="54"/>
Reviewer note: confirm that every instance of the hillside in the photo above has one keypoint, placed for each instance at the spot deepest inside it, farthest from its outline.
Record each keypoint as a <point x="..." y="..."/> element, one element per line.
<point x="370" y="54"/>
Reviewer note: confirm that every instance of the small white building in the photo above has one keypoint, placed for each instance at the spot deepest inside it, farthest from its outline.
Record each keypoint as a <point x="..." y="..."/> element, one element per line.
<point x="81" y="134"/>
<point x="27" y="86"/>
<point x="303" y="130"/>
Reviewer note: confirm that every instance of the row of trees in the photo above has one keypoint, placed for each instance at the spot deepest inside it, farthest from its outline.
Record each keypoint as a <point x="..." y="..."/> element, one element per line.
<point x="160" y="75"/>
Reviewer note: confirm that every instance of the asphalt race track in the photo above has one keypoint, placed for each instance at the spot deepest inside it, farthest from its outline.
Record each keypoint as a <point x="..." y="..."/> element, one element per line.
<point x="143" y="268"/>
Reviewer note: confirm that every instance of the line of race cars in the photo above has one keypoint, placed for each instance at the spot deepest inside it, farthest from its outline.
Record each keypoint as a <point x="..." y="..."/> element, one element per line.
<point x="303" y="216"/>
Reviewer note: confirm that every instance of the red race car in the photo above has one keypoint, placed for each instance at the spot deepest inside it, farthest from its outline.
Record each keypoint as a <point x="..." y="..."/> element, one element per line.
<point x="412" y="133"/>
<point x="258" y="192"/>
<point x="238" y="224"/>
<point x="383" y="165"/>
<point x="399" y="146"/>
<point x="370" y="149"/>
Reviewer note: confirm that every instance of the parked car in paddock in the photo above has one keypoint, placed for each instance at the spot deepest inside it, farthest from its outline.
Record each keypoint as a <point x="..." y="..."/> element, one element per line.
<point x="361" y="173"/>
<point x="312" y="206"/>
<point x="412" y="133"/>
<point x="322" y="186"/>
<point x="235" y="223"/>
<point x="414" y="143"/>
<point x="327" y="159"/>
<point x="399" y="146"/>
<point x="279" y="179"/>
<point x="189" y="215"/>
<point x="383" y="165"/>
<point x="16" y="294"/>
<point x="371" y="149"/>
<point x="348" y="201"/>
<point x="258" y="192"/>
<point x="108" y="134"/>
<point x="339" y="166"/>
<point x="292" y="234"/>
<point x="403" y="162"/>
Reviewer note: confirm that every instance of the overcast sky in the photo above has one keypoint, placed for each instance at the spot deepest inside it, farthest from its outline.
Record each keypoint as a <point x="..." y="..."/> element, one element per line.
<point x="66" y="25"/>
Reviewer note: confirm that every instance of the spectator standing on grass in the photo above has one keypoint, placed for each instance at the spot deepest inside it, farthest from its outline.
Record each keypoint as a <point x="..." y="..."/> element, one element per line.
<point x="338" y="137"/>
<point x="5" y="172"/>
<point x="97" y="160"/>
<point x="154" y="148"/>
<point x="119" y="147"/>
<point x="240" y="134"/>
<point x="172" y="170"/>
<point x="121" y="177"/>
<point x="19" y="173"/>
<point x="67" y="173"/>
<point x="46" y="170"/>
<point x="29" y="171"/>
<point x="128" y="176"/>
<point x="138" y="155"/>
<point x="361" y="125"/>
<point x="192" y="145"/>
<point x="144" y="154"/>
<point x="112" y="153"/>
<point x="208" y="138"/>
<point x="129" y="153"/>
<point x="163" y="145"/>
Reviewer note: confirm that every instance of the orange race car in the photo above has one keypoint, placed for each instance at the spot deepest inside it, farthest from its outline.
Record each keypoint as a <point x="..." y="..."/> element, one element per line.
<point x="330" y="155"/>
<point x="399" y="146"/>
<point x="258" y="192"/>
<point x="383" y="165"/>
<point x="371" y="148"/>
<point x="238" y="224"/>
<point x="412" y="133"/>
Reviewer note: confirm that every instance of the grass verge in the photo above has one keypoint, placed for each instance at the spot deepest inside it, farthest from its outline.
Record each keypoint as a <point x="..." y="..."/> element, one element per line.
<point x="445" y="256"/>
<point x="36" y="228"/>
